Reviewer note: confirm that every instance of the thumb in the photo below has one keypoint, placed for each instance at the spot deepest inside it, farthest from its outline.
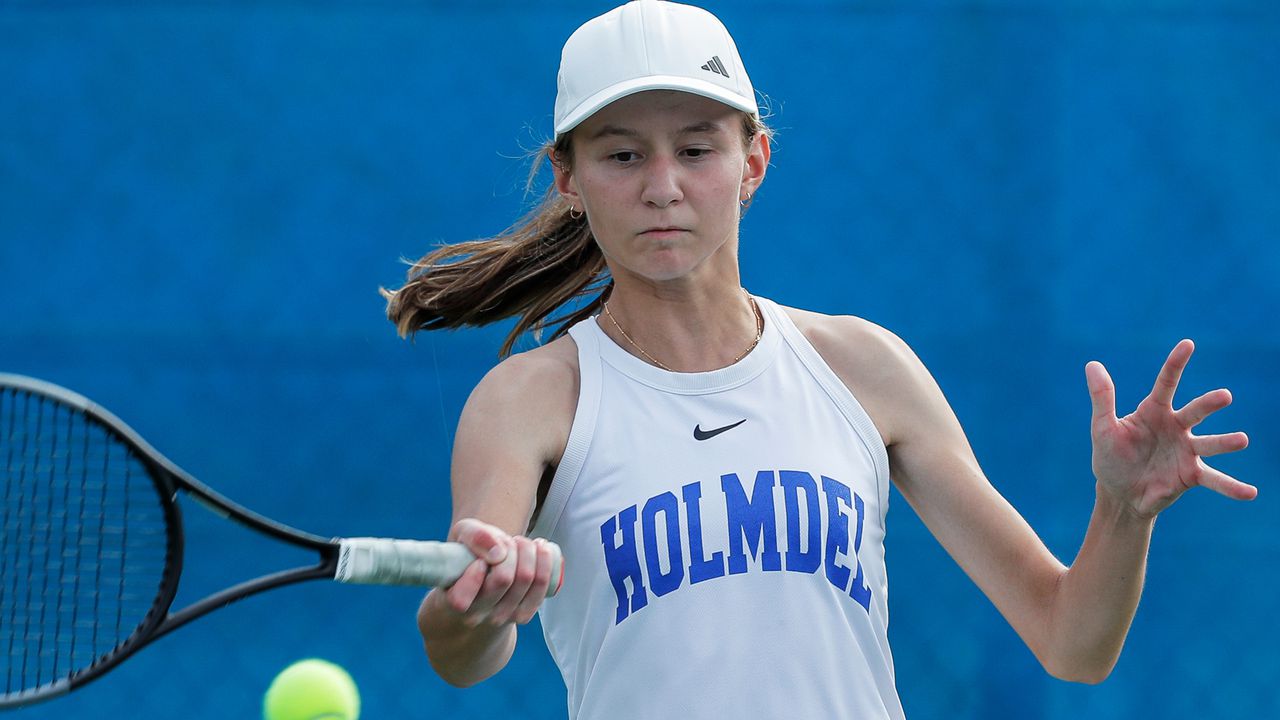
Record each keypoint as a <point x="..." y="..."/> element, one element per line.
<point x="485" y="541"/>
<point x="1102" y="393"/>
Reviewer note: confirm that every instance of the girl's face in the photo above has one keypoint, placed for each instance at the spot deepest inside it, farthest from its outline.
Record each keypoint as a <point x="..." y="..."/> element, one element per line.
<point x="660" y="175"/>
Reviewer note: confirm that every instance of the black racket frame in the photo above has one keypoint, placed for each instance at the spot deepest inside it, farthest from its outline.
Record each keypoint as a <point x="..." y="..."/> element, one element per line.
<point x="169" y="480"/>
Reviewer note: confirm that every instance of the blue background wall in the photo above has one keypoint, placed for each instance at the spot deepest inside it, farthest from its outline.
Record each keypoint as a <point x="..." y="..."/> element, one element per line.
<point x="198" y="202"/>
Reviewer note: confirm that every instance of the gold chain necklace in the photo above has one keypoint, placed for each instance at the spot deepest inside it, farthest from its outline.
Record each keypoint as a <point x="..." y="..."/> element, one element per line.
<point x="755" y="309"/>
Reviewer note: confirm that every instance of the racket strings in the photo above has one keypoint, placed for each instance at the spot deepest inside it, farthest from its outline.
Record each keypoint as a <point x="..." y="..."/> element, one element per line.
<point x="6" y="591"/>
<point x="83" y="547"/>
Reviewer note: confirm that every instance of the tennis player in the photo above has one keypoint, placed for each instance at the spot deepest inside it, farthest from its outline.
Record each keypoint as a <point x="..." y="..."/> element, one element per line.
<point x="716" y="466"/>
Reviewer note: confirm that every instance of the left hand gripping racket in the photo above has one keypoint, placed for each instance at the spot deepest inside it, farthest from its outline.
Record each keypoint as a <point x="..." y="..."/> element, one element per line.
<point x="91" y="544"/>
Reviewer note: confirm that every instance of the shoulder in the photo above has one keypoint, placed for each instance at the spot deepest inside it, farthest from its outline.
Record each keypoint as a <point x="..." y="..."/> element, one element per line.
<point x="877" y="366"/>
<point x="535" y="381"/>
<point x="849" y="337"/>
<point x="855" y="347"/>
<point x="533" y="394"/>
<point x="549" y="369"/>
<point x="513" y="429"/>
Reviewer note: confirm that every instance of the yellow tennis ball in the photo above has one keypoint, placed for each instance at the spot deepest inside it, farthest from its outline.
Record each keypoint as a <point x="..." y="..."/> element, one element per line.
<point x="312" y="689"/>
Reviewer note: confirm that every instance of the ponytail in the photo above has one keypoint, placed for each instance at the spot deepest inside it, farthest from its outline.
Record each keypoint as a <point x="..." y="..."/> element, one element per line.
<point x="545" y="260"/>
<point x="548" y="258"/>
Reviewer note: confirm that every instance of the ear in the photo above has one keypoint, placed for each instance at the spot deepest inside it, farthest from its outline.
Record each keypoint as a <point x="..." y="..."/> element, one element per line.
<point x="565" y="184"/>
<point x="756" y="166"/>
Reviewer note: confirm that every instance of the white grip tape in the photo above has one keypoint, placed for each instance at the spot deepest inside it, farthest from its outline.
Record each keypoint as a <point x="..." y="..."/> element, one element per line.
<point x="384" y="561"/>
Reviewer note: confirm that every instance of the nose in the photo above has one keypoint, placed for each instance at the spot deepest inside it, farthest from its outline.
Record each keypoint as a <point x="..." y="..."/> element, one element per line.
<point x="662" y="182"/>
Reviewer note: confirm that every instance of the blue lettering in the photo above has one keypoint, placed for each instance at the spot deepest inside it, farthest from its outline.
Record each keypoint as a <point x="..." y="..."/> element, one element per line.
<point x="837" y="530"/>
<point x="753" y="519"/>
<point x="860" y="591"/>
<point x="666" y="504"/>
<point x="792" y="483"/>
<point x="700" y="567"/>
<point x="624" y="562"/>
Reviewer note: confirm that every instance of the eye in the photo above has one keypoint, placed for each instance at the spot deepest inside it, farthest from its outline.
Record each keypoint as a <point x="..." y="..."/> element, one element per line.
<point x="697" y="153"/>
<point x="624" y="156"/>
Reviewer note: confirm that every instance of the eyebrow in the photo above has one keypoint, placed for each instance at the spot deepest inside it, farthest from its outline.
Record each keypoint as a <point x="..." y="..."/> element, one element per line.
<point x="705" y="126"/>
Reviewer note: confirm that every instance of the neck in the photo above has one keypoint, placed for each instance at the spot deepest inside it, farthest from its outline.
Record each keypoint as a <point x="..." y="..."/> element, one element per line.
<point x="696" y="330"/>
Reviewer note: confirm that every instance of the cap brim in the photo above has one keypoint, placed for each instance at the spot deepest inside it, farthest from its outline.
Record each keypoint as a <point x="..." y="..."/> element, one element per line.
<point x="588" y="107"/>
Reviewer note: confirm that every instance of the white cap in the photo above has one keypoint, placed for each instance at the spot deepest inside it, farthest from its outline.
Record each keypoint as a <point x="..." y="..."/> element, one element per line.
<point x="648" y="45"/>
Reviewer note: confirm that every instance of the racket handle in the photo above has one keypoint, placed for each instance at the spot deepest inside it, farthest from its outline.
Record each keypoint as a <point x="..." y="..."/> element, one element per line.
<point x="384" y="561"/>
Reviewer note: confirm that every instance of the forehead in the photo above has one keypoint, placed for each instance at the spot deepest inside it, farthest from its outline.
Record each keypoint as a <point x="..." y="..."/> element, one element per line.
<point x="657" y="112"/>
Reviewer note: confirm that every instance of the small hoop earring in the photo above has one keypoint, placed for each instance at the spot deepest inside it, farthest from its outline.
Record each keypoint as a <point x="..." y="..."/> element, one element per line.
<point x="575" y="217"/>
<point x="745" y="201"/>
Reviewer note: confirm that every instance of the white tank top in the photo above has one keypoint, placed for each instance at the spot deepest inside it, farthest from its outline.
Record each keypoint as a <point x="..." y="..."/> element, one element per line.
<point x="724" y="539"/>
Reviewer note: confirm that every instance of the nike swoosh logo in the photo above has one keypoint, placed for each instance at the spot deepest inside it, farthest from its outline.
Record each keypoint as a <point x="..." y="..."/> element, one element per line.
<point x="700" y="434"/>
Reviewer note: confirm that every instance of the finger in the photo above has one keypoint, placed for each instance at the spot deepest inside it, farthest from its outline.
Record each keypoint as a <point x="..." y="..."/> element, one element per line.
<point x="1210" y="445"/>
<point x="464" y="590"/>
<point x="1194" y="412"/>
<point x="538" y="588"/>
<point x="1226" y="485"/>
<point x="496" y="582"/>
<point x="1102" y="393"/>
<point x="1171" y="373"/>
<point x="481" y="538"/>
<point x="526" y="570"/>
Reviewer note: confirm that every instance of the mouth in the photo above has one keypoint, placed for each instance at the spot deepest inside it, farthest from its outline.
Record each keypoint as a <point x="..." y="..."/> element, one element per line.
<point x="663" y="231"/>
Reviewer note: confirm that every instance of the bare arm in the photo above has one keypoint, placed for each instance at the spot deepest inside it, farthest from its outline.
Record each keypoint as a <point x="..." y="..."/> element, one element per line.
<point x="512" y="431"/>
<point x="1073" y="619"/>
<point x="1143" y="462"/>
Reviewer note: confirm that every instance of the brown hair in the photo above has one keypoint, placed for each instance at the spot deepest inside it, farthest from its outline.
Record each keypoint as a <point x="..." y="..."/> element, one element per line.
<point x="546" y="259"/>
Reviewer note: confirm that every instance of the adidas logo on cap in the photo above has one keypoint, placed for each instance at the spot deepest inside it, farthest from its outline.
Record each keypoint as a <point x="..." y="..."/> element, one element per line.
<point x="715" y="66"/>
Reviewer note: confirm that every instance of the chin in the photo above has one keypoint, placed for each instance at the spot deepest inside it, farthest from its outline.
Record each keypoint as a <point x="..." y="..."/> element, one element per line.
<point x="662" y="264"/>
<point x="665" y="263"/>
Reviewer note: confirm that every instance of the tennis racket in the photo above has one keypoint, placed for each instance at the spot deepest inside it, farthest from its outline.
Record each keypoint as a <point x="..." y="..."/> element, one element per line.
<point x="92" y="544"/>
